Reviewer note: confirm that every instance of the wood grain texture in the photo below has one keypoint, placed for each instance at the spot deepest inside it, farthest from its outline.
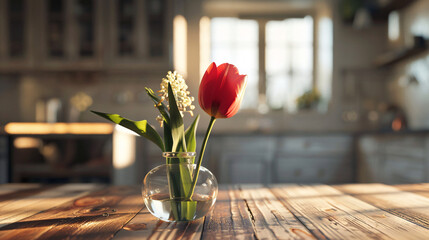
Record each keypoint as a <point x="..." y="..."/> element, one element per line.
<point x="98" y="215"/>
<point x="230" y="218"/>
<point x="145" y="226"/>
<point x="420" y="188"/>
<point x="340" y="216"/>
<point x="407" y="205"/>
<point x="24" y="205"/>
<point x="271" y="219"/>
<point x="13" y="187"/>
<point x="11" y="194"/>
<point x="353" y="211"/>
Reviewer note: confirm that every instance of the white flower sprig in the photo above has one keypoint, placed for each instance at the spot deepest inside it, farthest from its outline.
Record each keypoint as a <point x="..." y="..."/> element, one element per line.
<point x="180" y="90"/>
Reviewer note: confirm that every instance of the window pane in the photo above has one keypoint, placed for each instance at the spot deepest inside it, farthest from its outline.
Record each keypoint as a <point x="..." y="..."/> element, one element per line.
<point x="156" y="24"/>
<point x="84" y="10"/>
<point x="302" y="58"/>
<point x="55" y="28"/>
<point x="325" y="56"/>
<point x="126" y="16"/>
<point x="289" y="61"/>
<point x="235" y="41"/>
<point x="16" y="20"/>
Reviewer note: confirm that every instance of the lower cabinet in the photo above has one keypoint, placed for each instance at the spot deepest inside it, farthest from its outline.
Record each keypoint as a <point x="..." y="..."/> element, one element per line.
<point x="285" y="159"/>
<point x="398" y="169"/>
<point x="332" y="169"/>
<point x="318" y="158"/>
<point x="4" y="159"/>
<point x="238" y="168"/>
<point x="393" y="159"/>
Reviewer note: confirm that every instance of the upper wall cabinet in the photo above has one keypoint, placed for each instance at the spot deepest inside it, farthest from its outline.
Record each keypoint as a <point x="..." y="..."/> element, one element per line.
<point x="70" y="34"/>
<point x="15" y="47"/>
<point x="140" y="33"/>
<point x="84" y="35"/>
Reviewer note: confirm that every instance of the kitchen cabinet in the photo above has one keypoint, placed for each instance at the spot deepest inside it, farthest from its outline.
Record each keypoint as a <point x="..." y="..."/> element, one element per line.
<point x="393" y="159"/>
<point x="244" y="159"/>
<point x="16" y="50"/>
<point x="265" y="159"/>
<point x="139" y="34"/>
<point x="286" y="159"/>
<point x="71" y="34"/>
<point x="85" y="35"/>
<point x="4" y="159"/>
<point x="314" y="159"/>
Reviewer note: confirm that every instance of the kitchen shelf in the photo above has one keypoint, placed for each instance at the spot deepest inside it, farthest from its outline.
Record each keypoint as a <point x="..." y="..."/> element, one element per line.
<point x="390" y="58"/>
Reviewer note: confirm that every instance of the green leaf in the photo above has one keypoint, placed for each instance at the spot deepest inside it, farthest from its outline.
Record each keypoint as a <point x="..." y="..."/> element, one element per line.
<point x="176" y="120"/>
<point x="142" y="128"/>
<point x="179" y="178"/>
<point x="159" y="105"/>
<point x="168" y="140"/>
<point x="190" y="135"/>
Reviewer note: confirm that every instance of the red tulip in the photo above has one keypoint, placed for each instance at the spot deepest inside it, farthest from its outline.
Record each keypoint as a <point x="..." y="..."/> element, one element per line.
<point x="221" y="90"/>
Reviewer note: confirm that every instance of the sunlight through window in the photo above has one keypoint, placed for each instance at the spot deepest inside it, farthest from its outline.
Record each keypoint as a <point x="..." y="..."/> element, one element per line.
<point x="236" y="41"/>
<point x="289" y="61"/>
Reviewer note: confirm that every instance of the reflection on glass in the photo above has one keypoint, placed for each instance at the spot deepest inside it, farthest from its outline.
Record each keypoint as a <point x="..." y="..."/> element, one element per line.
<point x="126" y="27"/>
<point x="236" y="41"/>
<point x="56" y="26"/>
<point x="289" y="61"/>
<point x="16" y="28"/>
<point x="84" y="11"/>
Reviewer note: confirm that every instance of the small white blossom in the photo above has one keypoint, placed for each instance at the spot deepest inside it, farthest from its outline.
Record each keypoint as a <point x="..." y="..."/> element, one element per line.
<point x="180" y="90"/>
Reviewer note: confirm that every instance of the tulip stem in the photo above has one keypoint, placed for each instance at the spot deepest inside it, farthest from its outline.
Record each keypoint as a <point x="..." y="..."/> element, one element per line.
<point x="200" y="157"/>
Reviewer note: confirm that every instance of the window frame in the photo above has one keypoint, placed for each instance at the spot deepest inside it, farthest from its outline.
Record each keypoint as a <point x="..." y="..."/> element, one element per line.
<point x="262" y="80"/>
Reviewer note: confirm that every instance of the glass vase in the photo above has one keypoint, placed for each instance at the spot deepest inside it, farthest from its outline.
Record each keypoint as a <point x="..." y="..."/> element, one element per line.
<point x="168" y="191"/>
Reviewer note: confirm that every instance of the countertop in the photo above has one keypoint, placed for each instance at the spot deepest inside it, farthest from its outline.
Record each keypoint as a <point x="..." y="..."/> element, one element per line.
<point x="96" y="128"/>
<point x="91" y="211"/>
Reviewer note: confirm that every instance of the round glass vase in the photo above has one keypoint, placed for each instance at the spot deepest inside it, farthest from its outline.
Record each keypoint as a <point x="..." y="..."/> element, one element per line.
<point x="167" y="189"/>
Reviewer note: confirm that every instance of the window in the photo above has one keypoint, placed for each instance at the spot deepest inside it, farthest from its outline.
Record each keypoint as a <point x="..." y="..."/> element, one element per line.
<point x="278" y="55"/>
<point x="236" y="41"/>
<point x="289" y="61"/>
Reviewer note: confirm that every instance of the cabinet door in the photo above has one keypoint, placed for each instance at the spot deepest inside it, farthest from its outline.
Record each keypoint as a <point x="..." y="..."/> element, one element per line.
<point x="56" y="28"/>
<point x="313" y="170"/>
<point x="316" y="144"/>
<point x="4" y="159"/>
<point x="70" y="35"/>
<point x="246" y="159"/>
<point x="139" y="33"/>
<point x="369" y="150"/>
<point x="15" y="29"/>
<point x="393" y="159"/>
<point x="400" y="170"/>
<point x="314" y="159"/>
<point x="245" y="168"/>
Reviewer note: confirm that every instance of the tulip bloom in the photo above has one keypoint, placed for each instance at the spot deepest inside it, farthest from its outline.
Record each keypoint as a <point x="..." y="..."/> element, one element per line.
<point x="221" y="90"/>
<point x="220" y="94"/>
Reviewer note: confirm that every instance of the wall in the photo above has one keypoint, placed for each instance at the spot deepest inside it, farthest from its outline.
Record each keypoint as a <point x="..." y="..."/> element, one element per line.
<point x="413" y="96"/>
<point x="114" y="92"/>
<point x="124" y="92"/>
<point x="353" y="50"/>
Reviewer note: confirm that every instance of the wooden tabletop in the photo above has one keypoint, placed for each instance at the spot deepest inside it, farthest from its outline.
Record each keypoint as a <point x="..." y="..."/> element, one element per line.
<point x="90" y="211"/>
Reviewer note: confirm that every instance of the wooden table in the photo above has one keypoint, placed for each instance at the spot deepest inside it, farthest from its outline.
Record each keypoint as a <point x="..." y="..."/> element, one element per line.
<point x="90" y="211"/>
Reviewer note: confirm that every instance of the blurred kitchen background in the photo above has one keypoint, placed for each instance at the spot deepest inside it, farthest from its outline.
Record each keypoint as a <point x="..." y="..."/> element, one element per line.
<point x="338" y="90"/>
